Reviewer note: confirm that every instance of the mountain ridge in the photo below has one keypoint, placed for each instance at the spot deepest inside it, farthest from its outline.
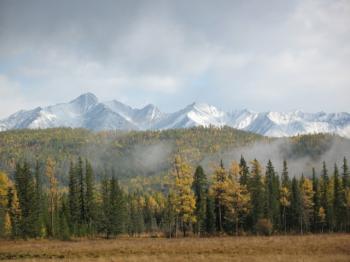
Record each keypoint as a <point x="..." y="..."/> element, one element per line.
<point x="87" y="111"/>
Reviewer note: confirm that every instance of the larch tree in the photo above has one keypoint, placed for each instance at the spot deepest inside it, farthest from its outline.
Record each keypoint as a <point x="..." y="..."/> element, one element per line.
<point x="219" y="190"/>
<point x="185" y="201"/>
<point x="307" y="194"/>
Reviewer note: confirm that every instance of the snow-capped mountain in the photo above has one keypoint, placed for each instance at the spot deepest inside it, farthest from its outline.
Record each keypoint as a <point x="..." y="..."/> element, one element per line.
<point x="87" y="112"/>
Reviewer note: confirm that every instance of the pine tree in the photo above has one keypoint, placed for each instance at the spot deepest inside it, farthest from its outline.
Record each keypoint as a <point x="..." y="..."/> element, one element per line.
<point x="316" y="200"/>
<point x="338" y="200"/>
<point x="285" y="197"/>
<point x="325" y="196"/>
<point x="243" y="172"/>
<point x="89" y="197"/>
<point x="210" y="215"/>
<point x="81" y="192"/>
<point x="346" y="174"/>
<point x="73" y="199"/>
<point x="200" y="188"/>
<point x="296" y="205"/>
<point x="272" y="209"/>
<point x="25" y="188"/>
<point x="346" y="194"/>
<point x="257" y="192"/>
<point x="39" y="201"/>
<point x="117" y="213"/>
<point x="53" y="195"/>
<point x="63" y="228"/>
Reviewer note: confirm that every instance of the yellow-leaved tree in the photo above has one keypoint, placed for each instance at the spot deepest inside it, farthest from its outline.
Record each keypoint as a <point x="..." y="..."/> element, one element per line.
<point x="307" y="195"/>
<point x="237" y="197"/>
<point x="184" y="198"/>
<point x="4" y="216"/>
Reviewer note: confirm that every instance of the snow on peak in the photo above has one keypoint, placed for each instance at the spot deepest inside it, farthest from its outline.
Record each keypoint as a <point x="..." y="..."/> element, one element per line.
<point x="87" y="112"/>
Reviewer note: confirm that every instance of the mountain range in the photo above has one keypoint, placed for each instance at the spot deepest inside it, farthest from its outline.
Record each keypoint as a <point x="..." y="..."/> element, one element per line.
<point x="86" y="111"/>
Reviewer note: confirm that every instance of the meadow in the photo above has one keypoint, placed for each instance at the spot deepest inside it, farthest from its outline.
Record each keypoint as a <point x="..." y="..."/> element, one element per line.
<point x="326" y="247"/>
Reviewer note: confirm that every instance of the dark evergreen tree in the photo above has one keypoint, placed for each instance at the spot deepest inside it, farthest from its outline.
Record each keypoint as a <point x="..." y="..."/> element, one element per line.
<point x="63" y="228"/>
<point x="210" y="215"/>
<point x="272" y="205"/>
<point x="117" y="213"/>
<point x="89" y="197"/>
<point x="73" y="200"/>
<point x="296" y="205"/>
<point x="243" y="172"/>
<point x="39" y="202"/>
<point x="325" y="199"/>
<point x="257" y="192"/>
<point x="82" y="194"/>
<point x="200" y="188"/>
<point x="317" y="202"/>
<point x="25" y="188"/>
<point x="338" y="203"/>
<point x="346" y="174"/>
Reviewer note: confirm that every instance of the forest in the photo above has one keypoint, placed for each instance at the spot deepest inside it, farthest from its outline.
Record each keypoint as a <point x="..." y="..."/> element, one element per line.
<point x="239" y="199"/>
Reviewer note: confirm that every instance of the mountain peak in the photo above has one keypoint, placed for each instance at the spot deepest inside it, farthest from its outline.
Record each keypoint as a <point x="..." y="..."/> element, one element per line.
<point x="85" y="101"/>
<point x="88" y="98"/>
<point x="87" y="112"/>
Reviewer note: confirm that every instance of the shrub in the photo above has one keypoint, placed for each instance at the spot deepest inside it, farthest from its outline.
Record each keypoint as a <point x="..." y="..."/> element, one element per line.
<point x="264" y="227"/>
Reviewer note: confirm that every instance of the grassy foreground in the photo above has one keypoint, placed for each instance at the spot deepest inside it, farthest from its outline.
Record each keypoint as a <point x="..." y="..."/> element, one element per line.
<point x="277" y="248"/>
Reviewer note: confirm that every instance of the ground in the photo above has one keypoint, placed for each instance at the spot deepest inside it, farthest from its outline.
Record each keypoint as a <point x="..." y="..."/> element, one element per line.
<point x="332" y="247"/>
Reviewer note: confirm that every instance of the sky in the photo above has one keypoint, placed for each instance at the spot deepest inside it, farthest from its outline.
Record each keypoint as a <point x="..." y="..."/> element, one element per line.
<point x="262" y="55"/>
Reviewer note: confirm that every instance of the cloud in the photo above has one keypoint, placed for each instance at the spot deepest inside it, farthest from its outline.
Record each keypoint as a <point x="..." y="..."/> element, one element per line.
<point x="233" y="54"/>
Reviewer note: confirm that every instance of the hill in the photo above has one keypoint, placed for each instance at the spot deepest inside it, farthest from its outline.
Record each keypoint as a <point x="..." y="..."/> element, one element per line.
<point x="140" y="156"/>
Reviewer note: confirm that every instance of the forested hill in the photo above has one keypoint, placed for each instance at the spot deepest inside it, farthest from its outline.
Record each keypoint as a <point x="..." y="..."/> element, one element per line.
<point x="149" y="153"/>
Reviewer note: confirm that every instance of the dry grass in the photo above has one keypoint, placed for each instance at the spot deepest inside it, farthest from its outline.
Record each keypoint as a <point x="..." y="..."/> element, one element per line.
<point x="277" y="248"/>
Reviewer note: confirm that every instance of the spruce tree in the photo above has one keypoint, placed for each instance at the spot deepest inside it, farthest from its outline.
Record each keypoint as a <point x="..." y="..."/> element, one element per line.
<point x="81" y="192"/>
<point x="272" y="206"/>
<point x="338" y="203"/>
<point x="73" y="199"/>
<point x="39" y="201"/>
<point x="89" y="196"/>
<point x="25" y="188"/>
<point x="243" y="172"/>
<point x="257" y="192"/>
<point x="296" y="206"/>
<point x="285" y="197"/>
<point x="210" y="215"/>
<point x="200" y="188"/>
<point x="317" y="201"/>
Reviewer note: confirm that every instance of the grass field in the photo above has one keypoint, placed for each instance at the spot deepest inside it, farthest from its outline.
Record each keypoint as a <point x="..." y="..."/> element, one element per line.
<point x="277" y="248"/>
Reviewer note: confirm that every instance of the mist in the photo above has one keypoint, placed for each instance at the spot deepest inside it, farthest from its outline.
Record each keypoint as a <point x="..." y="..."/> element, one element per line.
<point x="283" y="149"/>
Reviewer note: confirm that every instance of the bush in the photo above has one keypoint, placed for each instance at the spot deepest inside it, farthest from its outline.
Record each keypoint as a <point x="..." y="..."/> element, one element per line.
<point x="264" y="227"/>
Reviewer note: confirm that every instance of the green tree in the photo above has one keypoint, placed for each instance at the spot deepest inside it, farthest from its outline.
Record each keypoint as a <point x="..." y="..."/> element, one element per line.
<point x="200" y="188"/>
<point x="338" y="199"/>
<point x="243" y="172"/>
<point x="272" y="195"/>
<point x="89" y="197"/>
<point x="257" y="192"/>
<point x="25" y="188"/>
<point x="73" y="199"/>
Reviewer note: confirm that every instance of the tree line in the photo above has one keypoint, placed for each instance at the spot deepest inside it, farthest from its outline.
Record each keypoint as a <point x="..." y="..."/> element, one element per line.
<point x="244" y="198"/>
